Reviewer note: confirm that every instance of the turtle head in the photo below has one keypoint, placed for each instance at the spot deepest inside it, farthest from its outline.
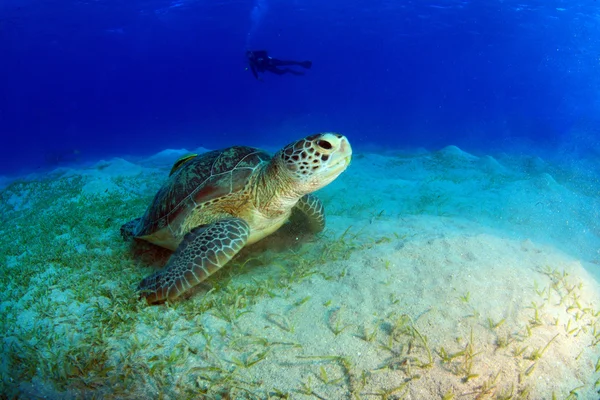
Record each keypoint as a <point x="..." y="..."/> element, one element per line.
<point x="315" y="161"/>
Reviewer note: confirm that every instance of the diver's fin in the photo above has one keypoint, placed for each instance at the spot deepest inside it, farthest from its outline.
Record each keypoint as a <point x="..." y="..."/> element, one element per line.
<point x="306" y="64"/>
<point x="181" y="161"/>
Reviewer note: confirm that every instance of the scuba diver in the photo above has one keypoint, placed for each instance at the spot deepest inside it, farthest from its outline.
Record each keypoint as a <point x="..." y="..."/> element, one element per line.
<point x="260" y="61"/>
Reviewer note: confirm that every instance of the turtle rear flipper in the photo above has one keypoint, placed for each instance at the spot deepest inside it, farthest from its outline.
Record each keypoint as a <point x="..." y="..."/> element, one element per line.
<point x="311" y="210"/>
<point x="202" y="252"/>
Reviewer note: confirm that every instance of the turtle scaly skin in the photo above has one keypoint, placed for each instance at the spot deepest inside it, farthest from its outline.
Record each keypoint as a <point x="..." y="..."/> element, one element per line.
<point x="214" y="204"/>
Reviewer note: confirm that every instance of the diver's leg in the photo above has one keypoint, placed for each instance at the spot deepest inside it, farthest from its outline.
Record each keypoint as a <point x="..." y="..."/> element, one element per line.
<point x="281" y="63"/>
<point x="282" y="71"/>
<point x="253" y="69"/>
<point x="291" y="71"/>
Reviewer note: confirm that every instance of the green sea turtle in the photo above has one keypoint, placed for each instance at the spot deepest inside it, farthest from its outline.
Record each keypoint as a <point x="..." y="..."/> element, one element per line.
<point x="215" y="203"/>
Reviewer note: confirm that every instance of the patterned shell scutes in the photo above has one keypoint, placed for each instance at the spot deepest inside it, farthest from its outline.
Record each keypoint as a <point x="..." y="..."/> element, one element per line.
<point x="209" y="176"/>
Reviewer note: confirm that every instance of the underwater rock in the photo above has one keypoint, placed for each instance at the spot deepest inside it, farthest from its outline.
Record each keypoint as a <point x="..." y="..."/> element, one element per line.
<point x="490" y="165"/>
<point x="100" y="175"/>
<point x="116" y="167"/>
<point x="167" y="157"/>
<point x="164" y="158"/>
<point x="545" y="181"/>
<point x="420" y="151"/>
<point x="534" y="165"/>
<point x="99" y="187"/>
<point x="453" y="157"/>
<point x="454" y="153"/>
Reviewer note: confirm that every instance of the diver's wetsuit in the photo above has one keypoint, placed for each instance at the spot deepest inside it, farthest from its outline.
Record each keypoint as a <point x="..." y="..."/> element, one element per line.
<point x="260" y="61"/>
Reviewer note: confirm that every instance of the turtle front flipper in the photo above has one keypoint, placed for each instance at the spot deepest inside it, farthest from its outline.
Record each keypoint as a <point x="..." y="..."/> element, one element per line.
<point x="128" y="229"/>
<point x="201" y="253"/>
<point x="312" y="210"/>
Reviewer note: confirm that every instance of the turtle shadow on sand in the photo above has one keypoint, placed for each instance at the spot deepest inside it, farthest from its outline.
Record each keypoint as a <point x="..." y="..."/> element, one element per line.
<point x="148" y="254"/>
<point x="291" y="236"/>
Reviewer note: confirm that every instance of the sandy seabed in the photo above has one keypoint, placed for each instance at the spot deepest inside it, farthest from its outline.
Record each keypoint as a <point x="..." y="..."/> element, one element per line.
<point x="441" y="275"/>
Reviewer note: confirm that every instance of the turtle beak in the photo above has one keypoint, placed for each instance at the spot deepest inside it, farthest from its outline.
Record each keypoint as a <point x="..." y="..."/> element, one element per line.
<point x="340" y="157"/>
<point x="345" y="148"/>
<point x="343" y="155"/>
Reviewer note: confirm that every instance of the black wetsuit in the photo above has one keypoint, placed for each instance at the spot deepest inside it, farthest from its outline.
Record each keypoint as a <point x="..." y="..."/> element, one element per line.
<point x="260" y="61"/>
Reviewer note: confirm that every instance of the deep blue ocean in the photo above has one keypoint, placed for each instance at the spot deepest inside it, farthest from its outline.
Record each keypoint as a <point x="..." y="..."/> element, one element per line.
<point x="82" y="80"/>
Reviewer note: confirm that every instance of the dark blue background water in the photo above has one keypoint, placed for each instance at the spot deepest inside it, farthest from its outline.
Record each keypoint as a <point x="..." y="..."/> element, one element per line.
<point x="113" y="77"/>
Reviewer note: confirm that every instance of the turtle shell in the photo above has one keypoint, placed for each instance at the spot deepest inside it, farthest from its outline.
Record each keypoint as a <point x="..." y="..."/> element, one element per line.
<point x="206" y="177"/>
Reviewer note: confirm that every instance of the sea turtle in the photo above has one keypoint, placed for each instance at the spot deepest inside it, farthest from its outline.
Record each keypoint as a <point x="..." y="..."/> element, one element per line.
<point x="215" y="203"/>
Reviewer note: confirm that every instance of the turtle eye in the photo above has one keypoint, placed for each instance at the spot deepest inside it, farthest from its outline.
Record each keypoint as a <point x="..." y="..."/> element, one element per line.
<point x="324" y="144"/>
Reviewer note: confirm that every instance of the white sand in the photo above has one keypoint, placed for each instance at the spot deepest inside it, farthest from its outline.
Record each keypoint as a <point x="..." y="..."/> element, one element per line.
<point x="439" y="274"/>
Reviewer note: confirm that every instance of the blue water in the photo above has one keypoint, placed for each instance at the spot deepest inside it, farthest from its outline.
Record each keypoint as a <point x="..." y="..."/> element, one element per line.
<point x="87" y="79"/>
